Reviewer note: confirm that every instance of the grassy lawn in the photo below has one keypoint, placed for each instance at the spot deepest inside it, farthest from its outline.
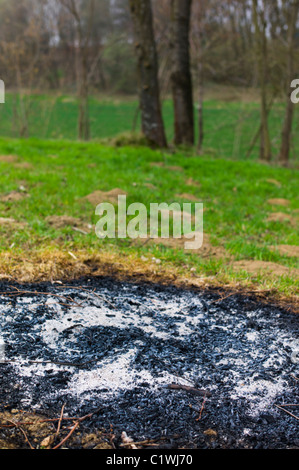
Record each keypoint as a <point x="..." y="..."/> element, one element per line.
<point x="230" y="121"/>
<point x="242" y="223"/>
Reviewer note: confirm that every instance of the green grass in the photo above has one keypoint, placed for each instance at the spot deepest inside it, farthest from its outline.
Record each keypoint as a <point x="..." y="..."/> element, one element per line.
<point x="229" y="125"/>
<point x="234" y="193"/>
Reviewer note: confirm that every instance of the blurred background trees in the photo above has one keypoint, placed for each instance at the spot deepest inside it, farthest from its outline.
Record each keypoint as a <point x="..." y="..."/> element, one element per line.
<point x="88" y="47"/>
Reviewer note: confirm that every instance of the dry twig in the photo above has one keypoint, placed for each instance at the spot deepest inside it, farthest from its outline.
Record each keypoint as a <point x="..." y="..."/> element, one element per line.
<point x="288" y="412"/>
<point x="60" y="420"/>
<point x="17" y="425"/>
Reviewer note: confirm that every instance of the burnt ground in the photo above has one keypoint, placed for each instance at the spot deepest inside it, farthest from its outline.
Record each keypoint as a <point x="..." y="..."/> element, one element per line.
<point x="172" y="368"/>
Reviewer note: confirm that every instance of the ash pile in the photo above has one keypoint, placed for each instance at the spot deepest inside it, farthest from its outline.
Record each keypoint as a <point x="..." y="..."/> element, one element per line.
<point x="196" y="369"/>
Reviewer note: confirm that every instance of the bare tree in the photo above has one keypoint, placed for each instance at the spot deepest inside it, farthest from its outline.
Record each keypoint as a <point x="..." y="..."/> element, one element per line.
<point x="291" y="12"/>
<point x="21" y="51"/>
<point x="83" y="27"/>
<point x="260" y="26"/>
<point x="181" y="79"/>
<point x="149" y="92"/>
<point x="197" y="36"/>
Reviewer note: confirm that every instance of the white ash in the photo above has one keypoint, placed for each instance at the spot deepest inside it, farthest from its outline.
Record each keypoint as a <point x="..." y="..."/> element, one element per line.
<point x="236" y="360"/>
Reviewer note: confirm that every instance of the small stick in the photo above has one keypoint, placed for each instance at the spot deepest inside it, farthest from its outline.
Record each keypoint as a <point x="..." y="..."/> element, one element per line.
<point x="202" y="407"/>
<point x="286" y="411"/>
<point x="38" y="293"/>
<point x="60" y="420"/>
<point x="194" y="391"/>
<point x="68" y="436"/>
<point x="22" y="430"/>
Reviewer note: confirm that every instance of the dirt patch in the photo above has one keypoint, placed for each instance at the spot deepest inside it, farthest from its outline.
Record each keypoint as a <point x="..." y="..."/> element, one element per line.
<point x="24" y="165"/>
<point x="98" y="197"/>
<point x="275" y="182"/>
<point x="188" y="197"/>
<point x="14" y="196"/>
<point x="282" y="217"/>
<point x="27" y="430"/>
<point x="278" y="202"/>
<point x="7" y="221"/>
<point x="168" y="167"/>
<point x="257" y="267"/>
<point x="15" y="423"/>
<point x="287" y="250"/>
<point x="175" y="168"/>
<point x="157" y="164"/>
<point x="191" y="182"/>
<point x="150" y="186"/>
<point x="8" y="158"/>
<point x="60" y="221"/>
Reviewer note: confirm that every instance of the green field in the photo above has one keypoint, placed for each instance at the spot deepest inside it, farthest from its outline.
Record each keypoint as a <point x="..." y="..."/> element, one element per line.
<point x="42" y="178"/>
<point x="230" y="123"/>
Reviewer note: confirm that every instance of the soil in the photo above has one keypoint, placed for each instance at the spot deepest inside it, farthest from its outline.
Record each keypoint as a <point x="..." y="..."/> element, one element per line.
<point x="23" y="429"/>
<point x="175" y="168"/>
<point x="286" y="250"/>
<point x="188" y="197"/>
<point x="24" y="165"/>
<point x="13" y="196"/>
<point x="157" y="164"/>
<point x="256" y="266"/>
<point x="150" y="186"/>
<point x="282" y="218"/>
<point x="279" y="202"/>
<point x="98" y="197"/>
<point x="8" y="158"/>
<point x="10" y="222"/>
<point x="275" y="182"/>
<point x="191" y="182"/>
<point x="59" y="221"/>
<point x="168" y="167"/>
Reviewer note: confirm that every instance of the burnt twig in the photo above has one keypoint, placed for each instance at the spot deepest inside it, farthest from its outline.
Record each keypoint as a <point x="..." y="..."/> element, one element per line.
<point x="286" y="411"/>
<point x="202" y="407"/>
<point x="193" y="390"/>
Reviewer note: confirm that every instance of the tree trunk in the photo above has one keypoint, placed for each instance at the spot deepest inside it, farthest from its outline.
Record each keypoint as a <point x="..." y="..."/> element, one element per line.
<point x="289" y="112"/>
<point x="200" y="107"/>
<point x="198" y="14"/>
<point x="181" y="79"/>
<point x="261" y="50"/>
<point x="149" y="92"/>
<point x="83" y="93"/>
<point x="82" y="46"/>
